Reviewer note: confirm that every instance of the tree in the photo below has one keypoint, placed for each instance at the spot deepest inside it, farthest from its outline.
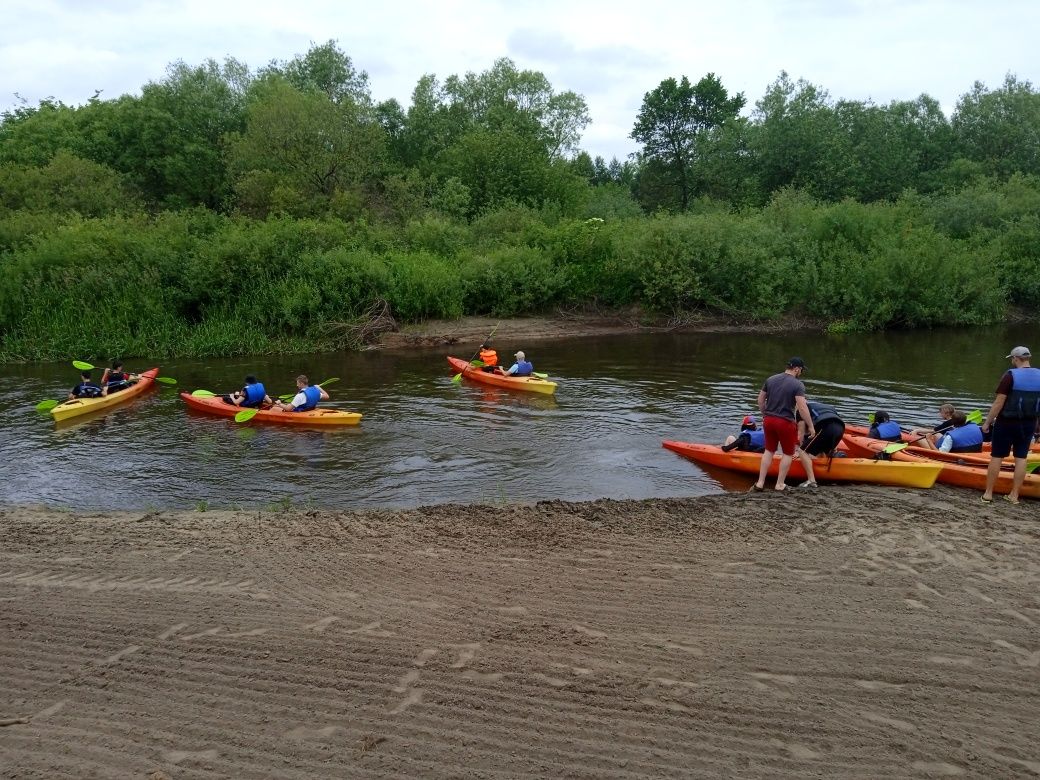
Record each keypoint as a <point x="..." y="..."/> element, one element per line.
<point x="325" y="69"/>
<point x="675" y="123"/>
<point x="1000" y="128"/>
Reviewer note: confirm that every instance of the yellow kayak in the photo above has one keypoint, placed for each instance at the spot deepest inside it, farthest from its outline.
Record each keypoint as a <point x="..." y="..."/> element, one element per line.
<point x="78" y="406"/>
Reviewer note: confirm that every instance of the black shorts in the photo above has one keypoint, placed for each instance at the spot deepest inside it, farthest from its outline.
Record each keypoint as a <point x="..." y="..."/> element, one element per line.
<point x="1012" y="436"/>
<point x="828" y="436"/>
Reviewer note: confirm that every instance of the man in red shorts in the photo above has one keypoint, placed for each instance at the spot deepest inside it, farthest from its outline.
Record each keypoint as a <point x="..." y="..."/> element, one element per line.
<point x="781" y="401"/>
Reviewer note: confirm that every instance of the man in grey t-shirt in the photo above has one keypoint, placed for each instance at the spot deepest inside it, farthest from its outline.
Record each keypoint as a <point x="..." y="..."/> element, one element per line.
<point x="781" y="400"/>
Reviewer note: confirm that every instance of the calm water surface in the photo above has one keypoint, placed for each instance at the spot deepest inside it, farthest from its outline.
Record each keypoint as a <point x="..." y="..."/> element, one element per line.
<point x="426" y="440"/>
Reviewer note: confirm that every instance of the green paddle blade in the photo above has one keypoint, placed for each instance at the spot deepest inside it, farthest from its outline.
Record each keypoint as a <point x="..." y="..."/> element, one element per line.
<point x="246" y="415"/>
<point x="540" y="376"/>
<point x="203" y="393"/>
<point x="975" y="417"/>
<point x="477" y="363"/>
<point x="895" y="447"/>
<point x="457" y="378"/>
<point x="82" y="366"/>
<point x="43" y="406"/>
<point x="166" y="380"/>
<point x="1031" y="467"/>
<point x="870" y="419"/>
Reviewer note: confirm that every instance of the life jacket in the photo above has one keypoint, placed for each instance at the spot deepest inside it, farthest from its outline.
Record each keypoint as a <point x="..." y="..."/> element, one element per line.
<point x="967" y="438"/>
<point x="887" y="431"/>
<point x="86" y="390"/>
<point x="524" y="368"/>
<point x="313" y="395"/>
<point x="821" y="412"/>
<point x="254" y="394"/>
<point x="1023" y="402"/>
<point x="756" y="440"/>
<point x="117" y="380"/>
<point x="489" y="357"/>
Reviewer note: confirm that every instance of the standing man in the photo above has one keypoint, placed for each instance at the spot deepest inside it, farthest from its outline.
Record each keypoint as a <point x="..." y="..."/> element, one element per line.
<point x="1013" y="417"/>
<point x="781" y="397"/>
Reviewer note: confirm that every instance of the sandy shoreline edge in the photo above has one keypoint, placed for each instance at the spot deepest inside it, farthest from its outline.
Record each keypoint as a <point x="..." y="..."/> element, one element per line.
<point x="859" y="631"/>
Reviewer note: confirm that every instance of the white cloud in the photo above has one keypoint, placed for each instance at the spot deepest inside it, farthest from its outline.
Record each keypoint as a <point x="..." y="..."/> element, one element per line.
<point x="612" y="52"/>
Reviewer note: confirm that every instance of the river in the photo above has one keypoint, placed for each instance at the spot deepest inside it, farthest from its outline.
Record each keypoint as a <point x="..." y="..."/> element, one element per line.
<point x="426" y="440"/>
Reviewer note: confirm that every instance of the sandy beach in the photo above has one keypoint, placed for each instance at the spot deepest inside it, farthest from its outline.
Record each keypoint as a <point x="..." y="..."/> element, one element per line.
<point x="855" y="632"/>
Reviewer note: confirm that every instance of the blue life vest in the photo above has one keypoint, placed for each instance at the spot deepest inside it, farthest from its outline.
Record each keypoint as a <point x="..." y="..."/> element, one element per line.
<point x="967" y="438"/>
<point x="117" y="380"/>
<point x="524" y="368"/>
<point x="86" y="390"/>
<point x="822" y="412"/>
<point x="254" y="394"/>
<point x="887" y="431"/>
<point x="1023" y="402"/>
<point x="758" y="439"/>
<point x="313" y="395"/>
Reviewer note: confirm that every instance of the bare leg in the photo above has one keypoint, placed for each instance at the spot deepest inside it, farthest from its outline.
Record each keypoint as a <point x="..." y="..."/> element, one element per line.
<point x="992" y="472"/>
<point x="785" y="466"/>
<point x="807" y="460"/>
<point x="767" y="461"/>
<point x="729" y="440"/>
<point x="1020" y="476"/>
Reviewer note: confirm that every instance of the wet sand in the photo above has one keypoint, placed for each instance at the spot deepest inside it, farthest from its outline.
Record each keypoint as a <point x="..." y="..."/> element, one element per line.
<point x="856" y="632"/>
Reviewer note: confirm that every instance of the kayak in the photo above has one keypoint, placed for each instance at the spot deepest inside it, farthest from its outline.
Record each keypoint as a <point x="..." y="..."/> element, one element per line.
<point x="837" y="469"/>
<point x="862" y="430"/>
<point x="78" y="406"/>
<point x="530" y="384"/>
<point x="960" y="474"/>
<point x="320" y="416"/>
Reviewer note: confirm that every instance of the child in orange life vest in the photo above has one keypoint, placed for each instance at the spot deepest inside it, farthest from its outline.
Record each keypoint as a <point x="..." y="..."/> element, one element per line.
<point x="489" y="358"/>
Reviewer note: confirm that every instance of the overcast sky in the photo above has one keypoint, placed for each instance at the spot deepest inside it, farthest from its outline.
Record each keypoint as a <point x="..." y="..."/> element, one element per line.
<point x="610" y="52"/>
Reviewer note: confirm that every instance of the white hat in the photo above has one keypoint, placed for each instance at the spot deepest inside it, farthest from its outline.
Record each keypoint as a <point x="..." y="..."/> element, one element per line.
<point x="520" y="356"/>
<point x="1019" y="352"/>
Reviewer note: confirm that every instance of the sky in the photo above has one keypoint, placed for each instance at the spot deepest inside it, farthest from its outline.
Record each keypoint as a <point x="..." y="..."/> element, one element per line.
<point x="612" y="53"/>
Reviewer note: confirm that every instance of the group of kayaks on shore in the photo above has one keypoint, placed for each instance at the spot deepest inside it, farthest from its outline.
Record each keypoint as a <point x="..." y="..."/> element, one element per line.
<point x="997" y="451"/>
<point x="994" y="452"/>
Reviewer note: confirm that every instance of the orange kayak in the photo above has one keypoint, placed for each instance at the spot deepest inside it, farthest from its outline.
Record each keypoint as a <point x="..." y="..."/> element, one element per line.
<point x="960" y="474"/>
<point x="862" y="430"/>
<point x="320" y="416"/>
<point x="529" y="384"/>
<point x="78" y="406"/>
<point x="879" y="472"/>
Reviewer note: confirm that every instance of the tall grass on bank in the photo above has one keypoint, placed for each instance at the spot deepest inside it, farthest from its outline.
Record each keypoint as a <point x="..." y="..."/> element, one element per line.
<point x="198" y="284"/>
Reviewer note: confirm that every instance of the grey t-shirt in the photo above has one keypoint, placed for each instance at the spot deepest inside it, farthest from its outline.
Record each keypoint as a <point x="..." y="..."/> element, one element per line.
<point x="781" y="390"/>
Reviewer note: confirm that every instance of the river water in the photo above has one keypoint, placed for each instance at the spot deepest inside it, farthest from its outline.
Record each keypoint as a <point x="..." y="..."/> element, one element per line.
<point x="426" y="440"/>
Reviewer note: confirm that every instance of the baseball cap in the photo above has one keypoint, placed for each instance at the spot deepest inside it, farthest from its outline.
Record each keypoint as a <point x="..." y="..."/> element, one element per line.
<point x="1019" y="352"/>
<point x="796" y="362"/>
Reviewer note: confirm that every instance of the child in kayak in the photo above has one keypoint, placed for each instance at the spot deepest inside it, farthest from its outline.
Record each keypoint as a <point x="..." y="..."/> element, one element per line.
<point x="251" y="396"/>
<point x="86" y="387"/>
<point x="115" y="379"/>
<point x="883" y="428"/>
<point x="750" y="438"/>
<point x="489" y="358"/>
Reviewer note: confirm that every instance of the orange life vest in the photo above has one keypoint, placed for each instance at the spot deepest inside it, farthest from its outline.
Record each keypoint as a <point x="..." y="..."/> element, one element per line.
<point x="489" y="357"/>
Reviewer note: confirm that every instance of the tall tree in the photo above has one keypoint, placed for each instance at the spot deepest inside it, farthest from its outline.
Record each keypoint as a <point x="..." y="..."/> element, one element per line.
<point x="676" y="121"/>
<point x="1000" y="128"/>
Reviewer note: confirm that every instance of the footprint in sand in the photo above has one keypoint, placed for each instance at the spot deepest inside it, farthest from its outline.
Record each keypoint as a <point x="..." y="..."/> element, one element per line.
<point x="406" y="681"/>
<point x="878" y="685"/>
<point x="466" y="654"/>
<point x="424" y="656"/>
<point x="937" y="769"/>
<point x="117" y="657"/>
<point x="590" y="632"/>
<point x="172" y="630"/>
<point x="774" y="683"/>
<point x="884" y="720"/>
<point x="319" y="626"/>
<point x="482" y="677"/>
<point x="304" y="733"/>
<point x="515" y="610"/>
<point x="1025" y="658"/>
<point x="796" y="750"/>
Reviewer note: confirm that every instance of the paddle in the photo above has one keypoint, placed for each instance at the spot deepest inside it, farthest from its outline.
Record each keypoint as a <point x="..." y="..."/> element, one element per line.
<point x="458" y="377"/>
<point x="290" y="396"/>
<point x="973" y="417"/>
<point x="203" y="394"/>
<point x="479" y="363"/>
<point x="165" y="380"/>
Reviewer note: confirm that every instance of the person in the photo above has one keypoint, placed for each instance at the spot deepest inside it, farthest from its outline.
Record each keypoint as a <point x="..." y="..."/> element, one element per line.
<point x="306" y="399"/>
<point x="86" y="387"/>
<point x="964" y="436"/>
<point x="522" y="366"/>
<point x="782" y="397"/>
<point x="252" y="395"/>
<point x="1013" y="418"/>
<point x="830" y="429"/>
<point x="946" y="412"/>
<point x="489" y="358"/>
<point x="750" y="439"/>
<point x="884" y="428"/>
<point x="115" y="379"/>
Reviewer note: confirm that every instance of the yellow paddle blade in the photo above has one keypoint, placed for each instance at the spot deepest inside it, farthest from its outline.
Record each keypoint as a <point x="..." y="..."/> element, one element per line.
<point x="246" y="415"/>
<point x="895" y="447"/>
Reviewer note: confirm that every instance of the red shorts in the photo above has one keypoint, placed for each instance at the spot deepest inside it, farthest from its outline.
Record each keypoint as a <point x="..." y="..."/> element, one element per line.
<point x="780" y="433"/>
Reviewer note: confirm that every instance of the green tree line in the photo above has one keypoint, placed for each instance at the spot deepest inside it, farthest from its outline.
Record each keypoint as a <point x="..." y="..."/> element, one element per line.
<point x="225" y="210"/>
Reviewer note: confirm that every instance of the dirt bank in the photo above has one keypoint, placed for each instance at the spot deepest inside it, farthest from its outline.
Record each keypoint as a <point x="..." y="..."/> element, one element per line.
<point x="471" y="330"/>
<point x="856" y="632"/>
